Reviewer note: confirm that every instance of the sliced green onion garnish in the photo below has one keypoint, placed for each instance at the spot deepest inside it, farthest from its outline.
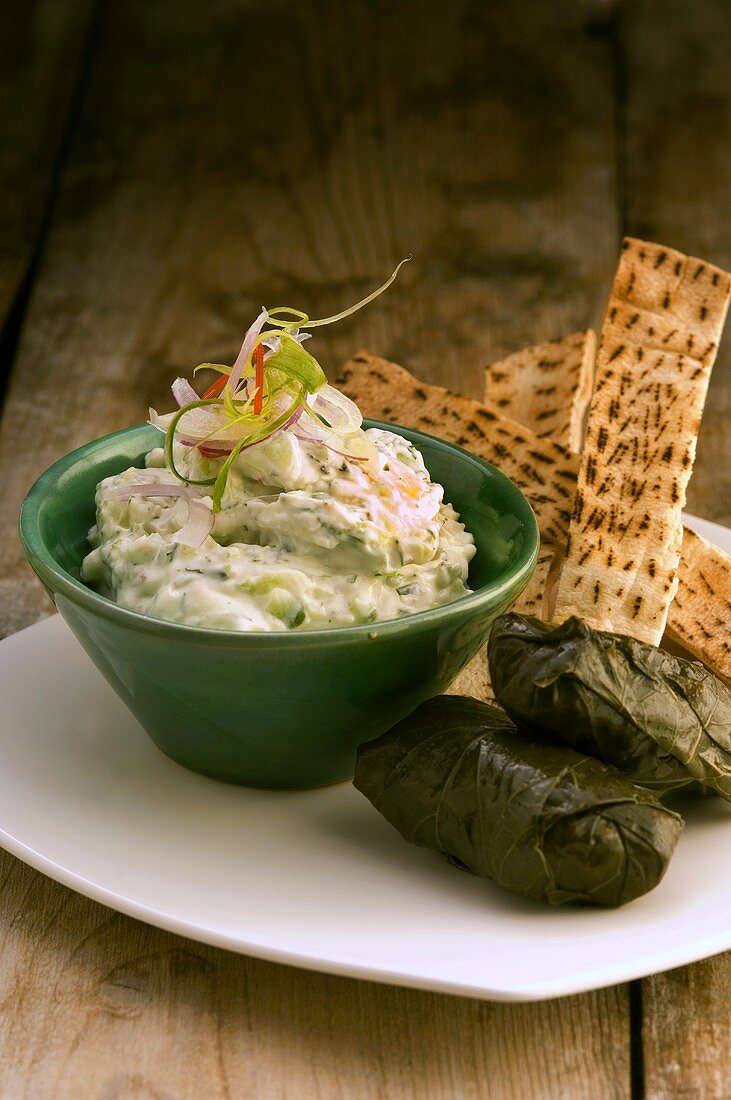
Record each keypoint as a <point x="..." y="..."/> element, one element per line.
<point x="270" y="429"/>
<point x="297" y="363"/>
<point x="170" y="439"/>
<point x="220" y="368"/>
<point x="298" y="317"/>
<point x="290" y="371"/>
<point x="336" y="316"/>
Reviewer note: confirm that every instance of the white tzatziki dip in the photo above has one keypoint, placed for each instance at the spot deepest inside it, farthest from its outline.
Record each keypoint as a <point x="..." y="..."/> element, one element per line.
<point x="305" y="538"/>
<point x="270" y="508"/>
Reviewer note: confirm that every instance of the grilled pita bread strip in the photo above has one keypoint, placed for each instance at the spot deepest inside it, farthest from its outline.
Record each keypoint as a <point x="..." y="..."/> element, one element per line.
<point x="387" y="391"/>
<point x="544" y="471"/>
<point x="547" y="387"/>
<point x="699" y="621"/>
<point x="367" y="379"/>
<point x="532" y="600"/>
<point x="700" y="614"/>
<point x="657" y="346"/>
<point x="474" y="679"/>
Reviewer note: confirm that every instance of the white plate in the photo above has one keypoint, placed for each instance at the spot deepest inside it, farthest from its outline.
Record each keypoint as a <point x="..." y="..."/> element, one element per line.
<point x="316" y="879"/>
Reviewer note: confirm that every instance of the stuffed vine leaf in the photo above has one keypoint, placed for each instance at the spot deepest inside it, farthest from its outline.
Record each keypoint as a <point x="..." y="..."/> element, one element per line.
<point x="541" y="820"/>
<point x="662" y="720"/>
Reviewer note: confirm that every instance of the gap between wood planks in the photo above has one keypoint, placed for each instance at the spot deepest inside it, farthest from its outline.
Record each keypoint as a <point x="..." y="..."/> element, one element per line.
<point x="533" y="1015"/>
<point x="636" y="1049"/>
<point x="11" y="325"/>
<point x="607" y="23"/>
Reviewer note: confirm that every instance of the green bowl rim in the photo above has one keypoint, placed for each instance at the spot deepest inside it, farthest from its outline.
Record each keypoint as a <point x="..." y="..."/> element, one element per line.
<point x="58" y="579"/>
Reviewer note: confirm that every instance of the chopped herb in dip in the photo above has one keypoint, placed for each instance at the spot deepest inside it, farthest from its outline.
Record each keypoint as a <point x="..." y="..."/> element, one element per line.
<point x="270" y="508"/>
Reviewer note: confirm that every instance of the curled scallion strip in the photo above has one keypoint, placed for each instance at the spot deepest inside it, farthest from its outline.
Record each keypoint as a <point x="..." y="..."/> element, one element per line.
<point x="299" y="319"/>
<point x="220" y="368"/>
<point x="170" y="439"/>
<point x="290" y="372"/>
<point x="336" y="316"/>
<point x="297" y="363"/>
<point x="220" y="481"/>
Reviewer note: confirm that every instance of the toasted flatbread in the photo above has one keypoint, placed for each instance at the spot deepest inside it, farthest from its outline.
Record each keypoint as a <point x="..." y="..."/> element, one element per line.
<point x="699" y="621"/>
<point x="367" y="379"/>
<point x="474" y="679"/>
<point x="532" y="600"/>
<point x="547" y="387"/>
<point x="544" y="471"/>
<point x="700" y="614"/>
<point x="656" y="350"/>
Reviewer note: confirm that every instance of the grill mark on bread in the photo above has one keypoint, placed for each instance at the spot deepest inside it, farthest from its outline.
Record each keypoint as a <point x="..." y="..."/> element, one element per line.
<point x="704" y="597"/>
<point x="545" y="471"/>
<point x="694" y="603"/>
<point x="660" y="331"/>
<point x="547" y="387"/>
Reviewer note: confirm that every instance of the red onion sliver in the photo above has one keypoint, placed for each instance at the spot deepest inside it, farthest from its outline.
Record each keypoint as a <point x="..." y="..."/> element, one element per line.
<point x="216" y="448"/>
<point x="246" y="349"/>
<point x="306" y="437"/>
<point x="151" y="489"/>
<point x="343" y="454"/>
<point x="342" y="414"/>
<point x="197" y="527"/>
<point x="183" y="392"/>
<point x="293" y="419"/>
<point x="223" y="447"/>
<point x="273" y="343"/>
<point x="199" y="522"/>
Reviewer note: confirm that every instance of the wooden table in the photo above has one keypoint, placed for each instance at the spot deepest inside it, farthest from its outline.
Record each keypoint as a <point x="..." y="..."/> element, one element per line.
<point x="165" y="168"/>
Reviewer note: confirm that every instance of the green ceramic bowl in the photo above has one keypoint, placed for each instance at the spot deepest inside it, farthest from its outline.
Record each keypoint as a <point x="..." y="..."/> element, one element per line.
<point x="270" y="709"/>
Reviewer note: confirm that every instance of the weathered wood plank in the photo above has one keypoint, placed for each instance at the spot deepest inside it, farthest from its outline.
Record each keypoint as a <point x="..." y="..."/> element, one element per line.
<point x="41" y="48"/>
<point x="198" y="186"/>
<point x="171" y="234"/>
<point x="96" y="1004"/>
<point x="687" y="1032"/>
<point x="678" y="178"/>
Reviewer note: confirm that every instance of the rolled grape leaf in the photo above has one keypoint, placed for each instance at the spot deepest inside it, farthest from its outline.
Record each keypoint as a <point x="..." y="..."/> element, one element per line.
<point x="662" y="720"/>
<point x="541" y="820"/>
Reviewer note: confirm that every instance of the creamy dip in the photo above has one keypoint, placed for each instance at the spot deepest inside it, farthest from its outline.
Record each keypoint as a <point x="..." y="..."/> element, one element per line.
<point x="306" y="538"/>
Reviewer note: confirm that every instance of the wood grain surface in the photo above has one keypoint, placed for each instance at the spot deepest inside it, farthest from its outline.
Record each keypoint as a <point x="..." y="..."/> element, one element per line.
<point x="204" y="158"/>
<point x="678" y="181"/>
<point x="42" y="48"/>
<point x="677" y="186"/>
<point x="99" y="1005"/>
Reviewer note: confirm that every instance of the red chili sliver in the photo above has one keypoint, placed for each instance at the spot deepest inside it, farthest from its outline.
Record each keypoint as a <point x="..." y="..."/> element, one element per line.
<point x="216" y="387"/>
<point x="259" y="380"/>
